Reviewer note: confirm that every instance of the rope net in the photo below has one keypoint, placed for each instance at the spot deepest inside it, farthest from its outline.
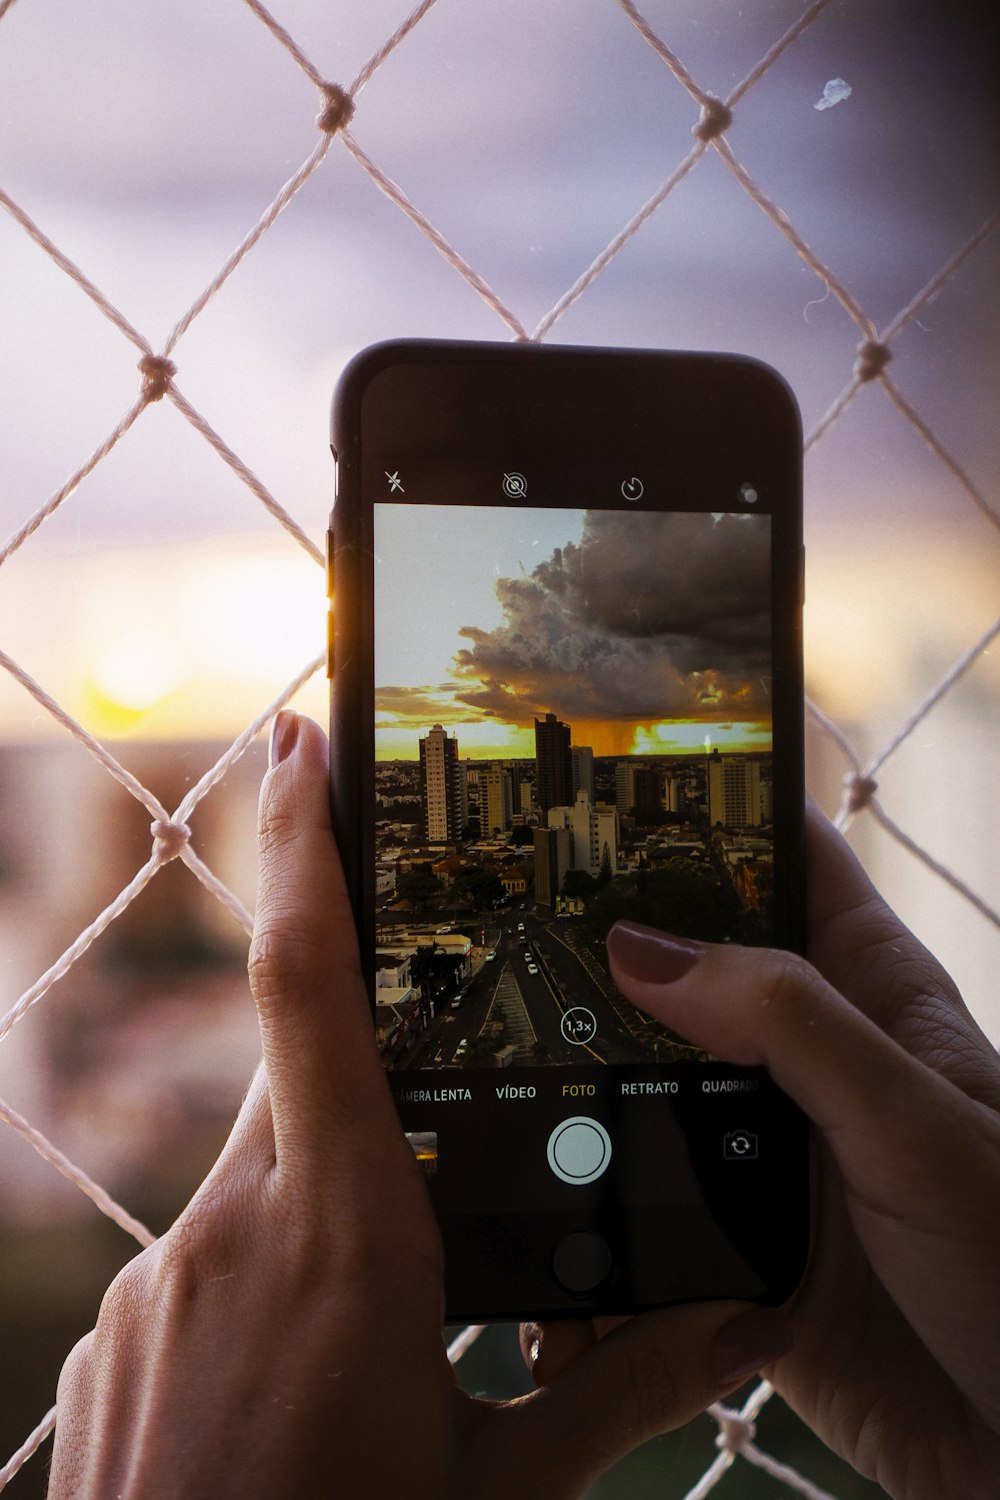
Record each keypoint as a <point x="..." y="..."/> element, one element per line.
<point x="339" y="122"/>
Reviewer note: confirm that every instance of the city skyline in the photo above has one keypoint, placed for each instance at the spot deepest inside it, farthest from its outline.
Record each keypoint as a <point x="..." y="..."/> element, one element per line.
<point x="647" y="631"/>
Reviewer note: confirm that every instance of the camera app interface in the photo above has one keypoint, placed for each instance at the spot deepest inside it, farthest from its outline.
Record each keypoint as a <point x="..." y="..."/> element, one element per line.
<point x="572" y="726"/>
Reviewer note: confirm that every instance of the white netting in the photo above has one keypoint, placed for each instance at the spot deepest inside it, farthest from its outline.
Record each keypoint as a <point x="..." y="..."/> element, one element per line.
<point x="161" y="376"/>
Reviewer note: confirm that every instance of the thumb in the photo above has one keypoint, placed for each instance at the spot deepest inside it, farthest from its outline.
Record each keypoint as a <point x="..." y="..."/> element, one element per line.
<point x="646" y="1376"/>
<point x="768" y="1008"/>
<point x="914" y="1151"/>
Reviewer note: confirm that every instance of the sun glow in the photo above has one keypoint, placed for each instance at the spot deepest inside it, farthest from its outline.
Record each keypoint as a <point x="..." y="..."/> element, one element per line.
<point x="164" y="642"/>
<point x="685" y="736"/>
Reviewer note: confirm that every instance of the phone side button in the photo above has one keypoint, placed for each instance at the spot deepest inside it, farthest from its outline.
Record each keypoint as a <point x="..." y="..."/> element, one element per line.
<point x="582" y="1262"/>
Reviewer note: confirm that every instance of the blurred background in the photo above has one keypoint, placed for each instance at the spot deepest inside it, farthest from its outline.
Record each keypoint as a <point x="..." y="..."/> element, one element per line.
<point x="164" y="607"/>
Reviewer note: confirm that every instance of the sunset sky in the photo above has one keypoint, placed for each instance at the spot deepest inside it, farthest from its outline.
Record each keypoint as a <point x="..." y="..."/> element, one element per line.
<point x="645" y="632"/>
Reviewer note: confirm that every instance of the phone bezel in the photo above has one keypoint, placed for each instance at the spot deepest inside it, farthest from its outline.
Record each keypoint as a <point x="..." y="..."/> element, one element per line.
<point x="462" y="413"/>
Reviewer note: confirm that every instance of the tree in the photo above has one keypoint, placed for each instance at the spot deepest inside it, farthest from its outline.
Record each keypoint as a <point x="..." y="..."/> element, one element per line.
<point x="684" y="897"/>
<point x="417" y="886"/>
<point x="478" y="886"/>
<point x="579" y="883"/>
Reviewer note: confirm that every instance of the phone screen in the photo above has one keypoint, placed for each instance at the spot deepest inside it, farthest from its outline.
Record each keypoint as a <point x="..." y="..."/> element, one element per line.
<point x="573" y="712"/>
<point x="574" y="727"/>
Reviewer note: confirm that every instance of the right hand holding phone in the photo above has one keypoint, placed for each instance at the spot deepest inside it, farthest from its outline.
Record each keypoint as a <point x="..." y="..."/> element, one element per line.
<point x="897" y="1324"/>
<point x="283" y="1337"/>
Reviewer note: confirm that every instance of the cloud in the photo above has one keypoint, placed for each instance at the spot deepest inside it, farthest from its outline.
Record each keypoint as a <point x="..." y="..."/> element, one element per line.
<point x="419" y="707"/>
<point x="650" y="617"/>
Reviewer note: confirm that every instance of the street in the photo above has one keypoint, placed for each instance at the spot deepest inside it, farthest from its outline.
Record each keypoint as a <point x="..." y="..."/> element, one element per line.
<point x="541" y="999"/>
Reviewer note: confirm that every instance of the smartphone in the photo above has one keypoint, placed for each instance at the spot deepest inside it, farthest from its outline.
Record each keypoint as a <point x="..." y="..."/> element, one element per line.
<point x="565" y="651"/>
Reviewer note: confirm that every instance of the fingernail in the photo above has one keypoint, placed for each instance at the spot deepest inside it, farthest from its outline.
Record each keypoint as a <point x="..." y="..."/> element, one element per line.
<point x="651" y="956"/>
<point x="284" y="733"/>
<point x="531" y="1346"/>
<point x="750" y="1341"/>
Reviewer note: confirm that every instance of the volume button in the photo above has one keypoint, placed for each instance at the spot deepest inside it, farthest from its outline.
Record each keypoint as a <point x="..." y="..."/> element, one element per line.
<point x="329" y="642"/>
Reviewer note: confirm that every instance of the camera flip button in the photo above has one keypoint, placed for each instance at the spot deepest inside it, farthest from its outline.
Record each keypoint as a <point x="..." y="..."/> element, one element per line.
<point x="579" y="1150"/>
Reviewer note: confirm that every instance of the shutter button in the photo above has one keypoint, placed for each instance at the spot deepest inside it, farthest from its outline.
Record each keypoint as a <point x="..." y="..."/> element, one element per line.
<point x="579" y="1150"/>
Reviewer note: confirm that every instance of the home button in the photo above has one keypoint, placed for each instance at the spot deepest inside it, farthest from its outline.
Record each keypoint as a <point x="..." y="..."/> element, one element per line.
<point x="582" y="1261"/>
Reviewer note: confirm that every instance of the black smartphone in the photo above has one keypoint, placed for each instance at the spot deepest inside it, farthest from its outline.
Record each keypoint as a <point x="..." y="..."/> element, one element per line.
<point x="565" y="651"/>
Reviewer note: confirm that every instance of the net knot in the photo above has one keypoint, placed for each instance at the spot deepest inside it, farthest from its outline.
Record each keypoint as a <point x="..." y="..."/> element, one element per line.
<point x="339" y="109"/>
<point x="735" y="1434"/>
<point x="860" y="791"/>
<point x="715" y="118"/>
<point x="872" y="359"/>
<point x="169" y="837"/>
<point x="157" y="373"/>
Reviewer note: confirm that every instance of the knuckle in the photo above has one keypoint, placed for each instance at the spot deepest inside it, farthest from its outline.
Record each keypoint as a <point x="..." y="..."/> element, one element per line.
<point x="74" y="1376"/>
<point x="127" y="1295"/>
<point x="791" y="984"/>
<point x="873" y="942"/>
<point x="654" y="1390"/>
<point x="284" y="956"/>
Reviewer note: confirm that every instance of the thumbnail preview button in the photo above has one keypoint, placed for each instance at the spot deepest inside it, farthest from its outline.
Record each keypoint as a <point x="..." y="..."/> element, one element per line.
<point x="579" y="1150"/>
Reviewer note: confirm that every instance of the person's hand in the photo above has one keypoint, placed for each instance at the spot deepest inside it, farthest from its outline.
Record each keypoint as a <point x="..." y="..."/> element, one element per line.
<point x="284" y="1337"/>
<point x="896" y="1355"/>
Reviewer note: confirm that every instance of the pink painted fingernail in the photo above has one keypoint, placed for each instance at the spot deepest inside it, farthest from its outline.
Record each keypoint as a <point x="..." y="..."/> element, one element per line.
<point x="284" y="733"/>
<point x="651" y="956"/>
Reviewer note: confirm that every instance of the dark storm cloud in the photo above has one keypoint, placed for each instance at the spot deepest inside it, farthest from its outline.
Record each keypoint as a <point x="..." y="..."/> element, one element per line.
<point x="649" y="617"/>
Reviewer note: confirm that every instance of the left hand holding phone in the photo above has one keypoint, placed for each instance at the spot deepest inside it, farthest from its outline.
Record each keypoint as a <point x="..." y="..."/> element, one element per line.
<point x="284" y="1336"/>
<point x="897" y="1321"/>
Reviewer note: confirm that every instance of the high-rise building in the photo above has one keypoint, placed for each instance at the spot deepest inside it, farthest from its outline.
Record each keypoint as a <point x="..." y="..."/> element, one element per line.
<point x="552" y="860"/>
<point x="442" y="787"/>
<point x="593" y="835"/>
<point x="473" y="792"/>
<point x="582" y="759"/>
<point x="638" y="788"/>
<point x="624" y="785"/>
<point x="496" y="803"/>
<point x="553" y="764"/>
<point x="734" y="791"/>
